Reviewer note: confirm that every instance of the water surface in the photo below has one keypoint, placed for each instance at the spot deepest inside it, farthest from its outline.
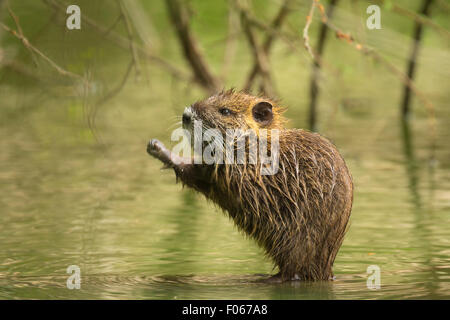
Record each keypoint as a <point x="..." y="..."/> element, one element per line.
<point x="101" y="203"/>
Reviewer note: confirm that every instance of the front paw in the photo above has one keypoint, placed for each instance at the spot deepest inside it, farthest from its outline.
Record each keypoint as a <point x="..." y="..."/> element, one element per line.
<point x="155" y="148"/>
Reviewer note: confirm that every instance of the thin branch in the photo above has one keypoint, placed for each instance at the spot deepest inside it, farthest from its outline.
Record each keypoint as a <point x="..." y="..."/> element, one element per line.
<point x="20" y="32"/>
<point x="418" y="29"/>
<point x="392" y="67"/>
<point x="123" y="42"/>
<point x="314" y="87"/>
<point x="117" y="89"/>
<point x="202" y="73"/>
<point x="115" y="23"/>
<point x="18" y="68"/>
<point x="260" y="57"/>
<point x="142" y="23"/>
<point x="348" y="38"/>
<point x="129" y="28"/>
<point x="89" y="110"/>
<point x="418" y="18"/>
<point x="230" y="44"/>
<point x="273" y="32"/>
<point x="16" y="19"/>
<point x="421" y="19"/>
<point x="309" y="19"/>
<point x="444" y="5"/>
<point x="32" y="48"/>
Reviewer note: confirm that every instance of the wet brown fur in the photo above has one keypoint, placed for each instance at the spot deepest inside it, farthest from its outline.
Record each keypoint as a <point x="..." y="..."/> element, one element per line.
<point x="298" y="215"/>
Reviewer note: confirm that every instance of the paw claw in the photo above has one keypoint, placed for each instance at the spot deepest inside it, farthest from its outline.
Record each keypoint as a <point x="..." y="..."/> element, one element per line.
<point x="154" y="147"/>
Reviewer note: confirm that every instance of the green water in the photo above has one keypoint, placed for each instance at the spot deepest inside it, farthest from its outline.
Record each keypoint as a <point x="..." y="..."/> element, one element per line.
<point x="78" y="192"/>
<point x="105" y="206"/>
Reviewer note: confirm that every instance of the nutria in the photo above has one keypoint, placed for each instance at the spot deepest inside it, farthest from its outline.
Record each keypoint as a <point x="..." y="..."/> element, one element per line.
<point x="298" y="215"/>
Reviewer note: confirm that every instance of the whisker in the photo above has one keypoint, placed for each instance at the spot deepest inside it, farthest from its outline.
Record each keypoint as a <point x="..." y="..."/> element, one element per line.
<point x="178" y="123"/>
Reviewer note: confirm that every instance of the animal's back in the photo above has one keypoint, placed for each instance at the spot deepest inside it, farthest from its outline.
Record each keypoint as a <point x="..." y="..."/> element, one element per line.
<point x="299" y="215"/>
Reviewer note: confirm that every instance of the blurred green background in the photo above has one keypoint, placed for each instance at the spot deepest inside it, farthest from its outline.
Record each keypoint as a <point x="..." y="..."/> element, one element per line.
<point x="78" y="188"/>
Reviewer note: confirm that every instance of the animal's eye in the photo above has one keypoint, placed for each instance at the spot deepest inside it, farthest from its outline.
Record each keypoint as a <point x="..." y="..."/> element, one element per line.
<point x="225" y="111"/>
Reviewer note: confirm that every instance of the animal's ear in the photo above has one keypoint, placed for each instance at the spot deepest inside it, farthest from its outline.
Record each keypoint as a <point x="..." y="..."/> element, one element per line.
<point x="262" y="113"/>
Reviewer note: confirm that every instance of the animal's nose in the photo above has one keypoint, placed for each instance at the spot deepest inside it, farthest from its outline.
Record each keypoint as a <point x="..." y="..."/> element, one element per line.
<point x="187" y="116"/>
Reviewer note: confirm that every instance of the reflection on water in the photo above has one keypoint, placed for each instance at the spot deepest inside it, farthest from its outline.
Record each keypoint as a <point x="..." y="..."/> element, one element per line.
<point x="136" y="234"/>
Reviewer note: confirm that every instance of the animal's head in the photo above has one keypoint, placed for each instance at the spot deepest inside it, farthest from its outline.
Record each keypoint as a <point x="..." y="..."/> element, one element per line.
<point x="235" y="110"/>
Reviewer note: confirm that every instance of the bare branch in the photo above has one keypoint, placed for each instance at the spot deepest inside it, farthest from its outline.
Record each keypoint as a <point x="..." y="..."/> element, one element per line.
<point x="309" y="19"/>
<point x="418" y="29"/>
<point x="18" y="68"/>
<point x="123" y="42"/>
<point x="142" y="24"/>
<point x="273" y="31"/>
<point x="259" y="54"/>
<point x="348" y="38"/>
<point x="230" y="45"/>
<point x="420" y="18"/>
<point x="116" y="90"/>
<point x="115" y="23"/>
<point x="180" y="19"/>
<point x="32" y="48"/>
<point x="314" y="87"/>
<point x="16" y="19"/>
<point x="444" y="5"/>
<point x="129" y="28"/>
